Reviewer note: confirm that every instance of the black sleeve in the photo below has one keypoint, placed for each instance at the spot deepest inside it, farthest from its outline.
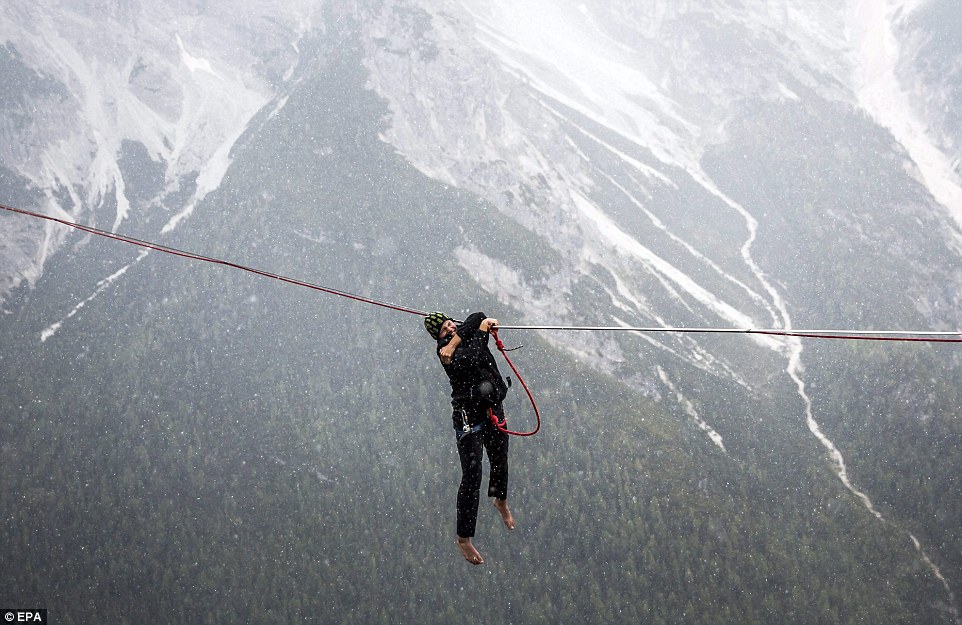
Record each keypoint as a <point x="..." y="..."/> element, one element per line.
<point x="471" y="325"/>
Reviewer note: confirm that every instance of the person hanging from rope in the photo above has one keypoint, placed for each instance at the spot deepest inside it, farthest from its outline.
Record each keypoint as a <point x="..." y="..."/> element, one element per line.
<point x="476" y="387"/>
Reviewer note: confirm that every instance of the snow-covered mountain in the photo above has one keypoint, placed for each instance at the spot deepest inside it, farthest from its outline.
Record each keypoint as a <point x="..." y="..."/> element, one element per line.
<point x="712" y="164"/>
<point x="114" y="111"/>
<point x="588" y="125"/>
<point x="592" y="125"/>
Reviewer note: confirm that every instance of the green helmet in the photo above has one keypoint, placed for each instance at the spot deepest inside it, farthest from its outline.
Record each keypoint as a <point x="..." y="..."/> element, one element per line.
<point x="433" y="323"/>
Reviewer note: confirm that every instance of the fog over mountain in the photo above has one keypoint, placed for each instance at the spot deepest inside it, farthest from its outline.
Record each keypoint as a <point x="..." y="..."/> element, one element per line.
<point x="783" y="164"/>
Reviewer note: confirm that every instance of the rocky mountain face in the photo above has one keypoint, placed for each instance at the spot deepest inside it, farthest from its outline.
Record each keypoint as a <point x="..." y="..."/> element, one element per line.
<point x="761" y="164"/>
<point x="118" y="111"/>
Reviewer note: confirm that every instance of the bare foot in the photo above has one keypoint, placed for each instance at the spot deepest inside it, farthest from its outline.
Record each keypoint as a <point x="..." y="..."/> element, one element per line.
<point x="502" y="506"/>
<point x="469" y="552"/>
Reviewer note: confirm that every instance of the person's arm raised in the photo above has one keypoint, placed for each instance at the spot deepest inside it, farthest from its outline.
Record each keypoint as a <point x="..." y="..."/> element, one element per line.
<point x="447" y="352"/>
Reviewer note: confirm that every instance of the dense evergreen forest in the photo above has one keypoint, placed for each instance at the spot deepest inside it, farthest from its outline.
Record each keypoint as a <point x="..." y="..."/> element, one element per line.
<point x="199" y="445"/>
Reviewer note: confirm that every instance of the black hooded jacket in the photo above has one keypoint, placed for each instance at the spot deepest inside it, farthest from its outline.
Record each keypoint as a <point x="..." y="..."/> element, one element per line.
<point x="476" y="382"/>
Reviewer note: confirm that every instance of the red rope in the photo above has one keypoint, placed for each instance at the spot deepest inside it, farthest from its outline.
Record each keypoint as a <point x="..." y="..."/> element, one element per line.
<point x="208" y="259"/>
<point x="849" y="335"/>
<point x="502" y="425"/>
<point x="367" y="300"/>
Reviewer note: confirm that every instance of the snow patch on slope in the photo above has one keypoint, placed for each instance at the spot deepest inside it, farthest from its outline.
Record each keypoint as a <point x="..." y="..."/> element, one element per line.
<point x="715" y="437"/>
<point x="625" y="244"/>
<point x="875" y="55"/>
<point x="101" y="286"/>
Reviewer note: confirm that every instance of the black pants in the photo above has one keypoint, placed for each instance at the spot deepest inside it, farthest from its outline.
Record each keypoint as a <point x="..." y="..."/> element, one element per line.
<point x="470" y="445"/>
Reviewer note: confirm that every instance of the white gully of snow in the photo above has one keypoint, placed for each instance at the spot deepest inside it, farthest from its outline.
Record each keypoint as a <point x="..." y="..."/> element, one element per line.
<point x="690" y="410"/>
<point x="560" y="54"/>
<point x="101" y="286"/>
<point x="875" y="54"/>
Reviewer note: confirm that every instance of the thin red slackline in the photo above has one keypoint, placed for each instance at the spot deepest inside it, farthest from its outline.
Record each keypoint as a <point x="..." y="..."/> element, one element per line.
<point x="367" y="300"/>
<point x="259" y="272"/>
<point x="850" y="337"/>
<point x="208" y="259"/>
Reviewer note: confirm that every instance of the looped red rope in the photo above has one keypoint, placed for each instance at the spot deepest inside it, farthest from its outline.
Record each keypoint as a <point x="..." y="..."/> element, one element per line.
<point x="501" y="425"/>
